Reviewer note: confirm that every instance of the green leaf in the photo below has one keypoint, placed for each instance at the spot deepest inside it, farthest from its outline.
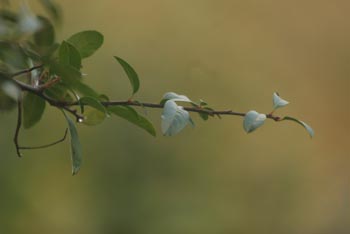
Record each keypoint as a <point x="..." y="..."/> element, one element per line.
<point x="132" y="116"/>
<point x="95" y="103"/>
<point x="174" y="118"/>
<point x="204" y="116"/>
<point x="33" y="109"/>
<point x="131" y="73"/>
<point x="13" y="55"/>
<point x="253" y="120"/>
<point x="45" y="36"/>
<point x="72" y="78"/>
<point x="278" y="102"/>
<point x="76" y="150"/>
<point x="202" y="103"/>
<point x="86" y="42"/>
<point x="59" y="92"/>
<point x="69" y="55"/>
<point x="306" y="126"/>
<point x="93" y="117"/>
<point x="52" y="8"/>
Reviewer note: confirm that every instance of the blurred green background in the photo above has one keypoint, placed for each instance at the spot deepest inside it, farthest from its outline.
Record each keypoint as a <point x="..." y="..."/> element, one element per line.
<point x="214" y="179"/>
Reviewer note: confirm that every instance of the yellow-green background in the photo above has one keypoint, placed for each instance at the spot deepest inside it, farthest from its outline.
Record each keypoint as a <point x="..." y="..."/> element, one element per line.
<point x="214" y="179"/>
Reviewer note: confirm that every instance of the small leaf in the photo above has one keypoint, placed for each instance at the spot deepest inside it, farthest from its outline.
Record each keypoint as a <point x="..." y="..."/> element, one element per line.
<point x="131" y="73"/>
<point x="132" y="116"/>
<point x="278" y="102"/>
<point x="86" y="42"/>
<point x="33" y="109"/>
<point x="76" y="151"/>
<point x="69" y="55"/>
<point x="13" y="55"/>
<point x="202" y="103"/>
<point x="204" y="116"/>
<point x="175" y="97"/>
<point x="253" y="120"/>
<point x="174" y="118"/>
<point x="306" y="126"/>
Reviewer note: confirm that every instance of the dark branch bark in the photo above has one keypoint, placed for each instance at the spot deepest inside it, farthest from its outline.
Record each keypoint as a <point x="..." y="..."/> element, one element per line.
<point x="19" y="124"/>
<point x="26" y="71"/>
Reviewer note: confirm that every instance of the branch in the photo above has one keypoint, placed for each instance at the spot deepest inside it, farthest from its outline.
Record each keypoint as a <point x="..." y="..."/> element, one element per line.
<point x="47" y="145"/>
<point x="66" y="105"/>
<point x="19" y="124"/>
<point x="26" y="71"/>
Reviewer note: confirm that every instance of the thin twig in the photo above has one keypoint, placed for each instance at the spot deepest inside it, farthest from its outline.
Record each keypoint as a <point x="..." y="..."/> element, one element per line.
<point x="47" y="145"/>
<point x="26" y="71"/>
<point x="19" y="124"/>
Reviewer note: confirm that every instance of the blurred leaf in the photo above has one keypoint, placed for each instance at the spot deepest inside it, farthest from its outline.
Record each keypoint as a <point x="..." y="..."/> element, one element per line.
<point x="253" y="120"/>
<point x="75" y="146"/>
<point x="8" y="24"/>
<point x="8" y="15"/>
<point x="28" y="22"/>
<point x="131" y="73"/>
<point x="30" y="52"/>
<point x="306" y="126"/>
<point x="10" y="89"/>
<point x="46" y="35"/>
<point x="204" y="116"/>
<point x="52" y="8"/>
<point x="86" y="42"/>
<point x="13" y="55"/>
<point x="33" y="110"/>
<point x="69" y="55"/>
<point x="8" y="96"/>
<point x="174" y="118"/>
<point x="104" y="98"/>
<point x="202" y="103"/>
<point x="278" y="102"/>
<point x="132" y="116"/>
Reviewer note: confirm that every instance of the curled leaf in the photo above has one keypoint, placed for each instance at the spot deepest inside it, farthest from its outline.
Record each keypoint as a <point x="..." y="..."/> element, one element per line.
<point x="253" y="120"/>
<point x="176" y="97"/>
<point x="306" y="126"/>
<point x="278" y="102"/>
<point x="174" y="118"/>
<point x="131" y="73"/>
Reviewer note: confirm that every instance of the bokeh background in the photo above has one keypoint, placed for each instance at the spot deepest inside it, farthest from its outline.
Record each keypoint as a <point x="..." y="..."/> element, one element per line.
<point x="214" y="179"/>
